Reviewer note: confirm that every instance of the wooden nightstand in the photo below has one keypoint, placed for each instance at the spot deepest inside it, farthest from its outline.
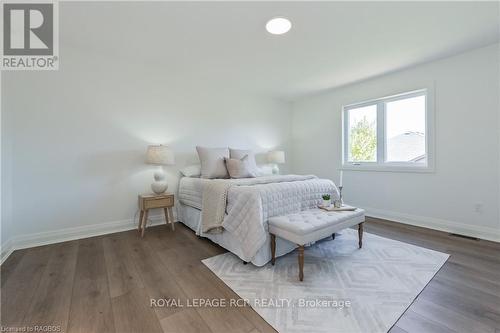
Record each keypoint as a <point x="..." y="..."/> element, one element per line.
<point x="149" y="201"/>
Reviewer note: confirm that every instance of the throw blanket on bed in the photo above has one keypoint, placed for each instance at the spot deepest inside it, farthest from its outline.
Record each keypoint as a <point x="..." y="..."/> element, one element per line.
<point x="214" y="205"/>
<point x="250" y="201"/>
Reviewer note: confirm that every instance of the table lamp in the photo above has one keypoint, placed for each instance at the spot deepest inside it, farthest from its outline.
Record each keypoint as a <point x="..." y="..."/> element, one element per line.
<point x="276" y="157"/>
<point x="159" y="155"/>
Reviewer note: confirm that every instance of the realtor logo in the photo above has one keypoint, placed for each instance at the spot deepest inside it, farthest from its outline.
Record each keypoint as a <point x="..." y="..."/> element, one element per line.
<point x="29" y="36"/>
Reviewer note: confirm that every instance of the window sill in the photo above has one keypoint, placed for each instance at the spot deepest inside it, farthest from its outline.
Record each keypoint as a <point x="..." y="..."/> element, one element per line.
<point x="388" y="168"/>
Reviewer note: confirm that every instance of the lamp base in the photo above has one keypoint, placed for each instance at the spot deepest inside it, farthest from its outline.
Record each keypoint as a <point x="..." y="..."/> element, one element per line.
<point x="159" y="187"/>
<point x="276" y="170"/>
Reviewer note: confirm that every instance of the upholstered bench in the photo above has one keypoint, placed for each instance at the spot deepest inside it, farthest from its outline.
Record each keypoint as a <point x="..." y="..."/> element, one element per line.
<point x="312" y="225"/>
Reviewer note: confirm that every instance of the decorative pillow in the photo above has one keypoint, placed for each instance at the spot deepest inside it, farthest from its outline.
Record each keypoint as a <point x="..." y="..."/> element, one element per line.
<point x="239" y="168"/>
<point x="240" y="153"/>
<point x="191" y="171"/>
<point x="212" y="162"/>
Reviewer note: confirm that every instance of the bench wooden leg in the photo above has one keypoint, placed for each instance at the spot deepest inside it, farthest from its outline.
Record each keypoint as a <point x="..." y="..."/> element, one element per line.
<point x="301" y="262"/>
<point x="273" y="249"/>
<point x="360" y="235"/>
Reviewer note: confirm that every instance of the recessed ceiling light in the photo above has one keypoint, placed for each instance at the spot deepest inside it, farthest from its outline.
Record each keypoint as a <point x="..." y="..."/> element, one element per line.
<point x="278" y="25"/>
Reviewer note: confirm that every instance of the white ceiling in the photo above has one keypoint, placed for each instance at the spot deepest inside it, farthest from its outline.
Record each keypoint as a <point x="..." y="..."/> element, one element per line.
<point x="330" y="44"/>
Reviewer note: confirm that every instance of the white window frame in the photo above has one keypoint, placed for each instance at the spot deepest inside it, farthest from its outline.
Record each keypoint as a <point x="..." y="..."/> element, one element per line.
<point x="381" y="164"/>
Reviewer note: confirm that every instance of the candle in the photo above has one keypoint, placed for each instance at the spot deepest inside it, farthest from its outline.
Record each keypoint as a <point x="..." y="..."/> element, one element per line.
<point x="341" y="176"/>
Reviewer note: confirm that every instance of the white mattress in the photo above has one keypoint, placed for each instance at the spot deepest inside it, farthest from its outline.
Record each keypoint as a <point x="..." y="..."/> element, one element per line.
<point x="191" y="217"/>
<point x="191" y="191"/>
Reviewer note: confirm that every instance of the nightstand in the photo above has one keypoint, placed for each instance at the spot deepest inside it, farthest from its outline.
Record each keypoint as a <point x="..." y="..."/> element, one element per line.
<point x="150" y="201"/>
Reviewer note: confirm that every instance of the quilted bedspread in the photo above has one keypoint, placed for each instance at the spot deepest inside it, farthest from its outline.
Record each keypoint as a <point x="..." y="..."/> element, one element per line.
<point x="251" y="203"/>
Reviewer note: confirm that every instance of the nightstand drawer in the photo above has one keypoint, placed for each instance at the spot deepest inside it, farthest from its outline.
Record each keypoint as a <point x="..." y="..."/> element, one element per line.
<point x="158" y="203"/>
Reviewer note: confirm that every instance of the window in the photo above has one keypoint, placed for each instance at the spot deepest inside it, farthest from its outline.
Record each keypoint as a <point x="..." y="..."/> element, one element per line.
<point x="363" y="134"/>
<point x="388" y="133"/>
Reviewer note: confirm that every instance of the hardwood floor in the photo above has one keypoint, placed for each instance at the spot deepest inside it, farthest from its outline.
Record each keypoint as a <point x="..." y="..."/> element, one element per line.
<point x="106" y="283"/>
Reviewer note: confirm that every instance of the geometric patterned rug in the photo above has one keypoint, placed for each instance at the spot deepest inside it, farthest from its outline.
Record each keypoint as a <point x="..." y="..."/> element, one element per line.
<point x="345" y="289"/>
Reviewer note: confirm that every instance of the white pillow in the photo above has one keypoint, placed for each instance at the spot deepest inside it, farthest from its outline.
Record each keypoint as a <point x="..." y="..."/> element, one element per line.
<point x="212" y="162"/>
<point x="240" y="153"/>
<point x="239" y="168"/>
<point x="191" y="170"/>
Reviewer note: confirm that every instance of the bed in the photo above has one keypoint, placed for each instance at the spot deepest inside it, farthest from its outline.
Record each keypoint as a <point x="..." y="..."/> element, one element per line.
<point x="247" y="205"/>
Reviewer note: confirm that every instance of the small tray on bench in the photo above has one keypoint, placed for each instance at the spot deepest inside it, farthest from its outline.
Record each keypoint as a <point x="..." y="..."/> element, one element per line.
<point x="332" y="208"/>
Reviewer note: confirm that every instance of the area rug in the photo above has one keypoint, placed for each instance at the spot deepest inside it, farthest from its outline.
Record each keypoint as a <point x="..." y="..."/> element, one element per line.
<point x="345" y="289"/>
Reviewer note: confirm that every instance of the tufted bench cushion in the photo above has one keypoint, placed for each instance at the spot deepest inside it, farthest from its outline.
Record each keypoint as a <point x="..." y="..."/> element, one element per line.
<point x="311" y="225"/>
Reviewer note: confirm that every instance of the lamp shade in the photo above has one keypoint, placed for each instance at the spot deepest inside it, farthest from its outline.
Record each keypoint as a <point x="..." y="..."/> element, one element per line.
<point x="276" y="156"/>
<point x="159" y="154"/>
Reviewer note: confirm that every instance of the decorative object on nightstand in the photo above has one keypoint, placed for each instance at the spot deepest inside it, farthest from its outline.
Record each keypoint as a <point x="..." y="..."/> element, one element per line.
<point x="150" y="201"/>
<point x="159" y="155"/>
<point x="276" y="157"/>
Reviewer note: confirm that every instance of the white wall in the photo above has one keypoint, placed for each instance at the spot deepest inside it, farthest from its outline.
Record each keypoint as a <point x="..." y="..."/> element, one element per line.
<point x="73" y="140"/>
<point x="466" y="89"/>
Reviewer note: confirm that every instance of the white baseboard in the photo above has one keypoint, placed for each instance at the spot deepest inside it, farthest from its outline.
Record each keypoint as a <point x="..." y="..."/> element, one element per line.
<point x="7" y="249"/>
<point x="481" y="232"/>
<point x="67" y="234"/>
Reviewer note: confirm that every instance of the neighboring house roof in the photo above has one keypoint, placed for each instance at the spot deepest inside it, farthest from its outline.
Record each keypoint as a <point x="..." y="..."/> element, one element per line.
<point x="407" y="147"/>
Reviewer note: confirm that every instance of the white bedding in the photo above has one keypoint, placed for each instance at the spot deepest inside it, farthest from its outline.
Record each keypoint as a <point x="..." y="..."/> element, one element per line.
<point x="250" y="203"/>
